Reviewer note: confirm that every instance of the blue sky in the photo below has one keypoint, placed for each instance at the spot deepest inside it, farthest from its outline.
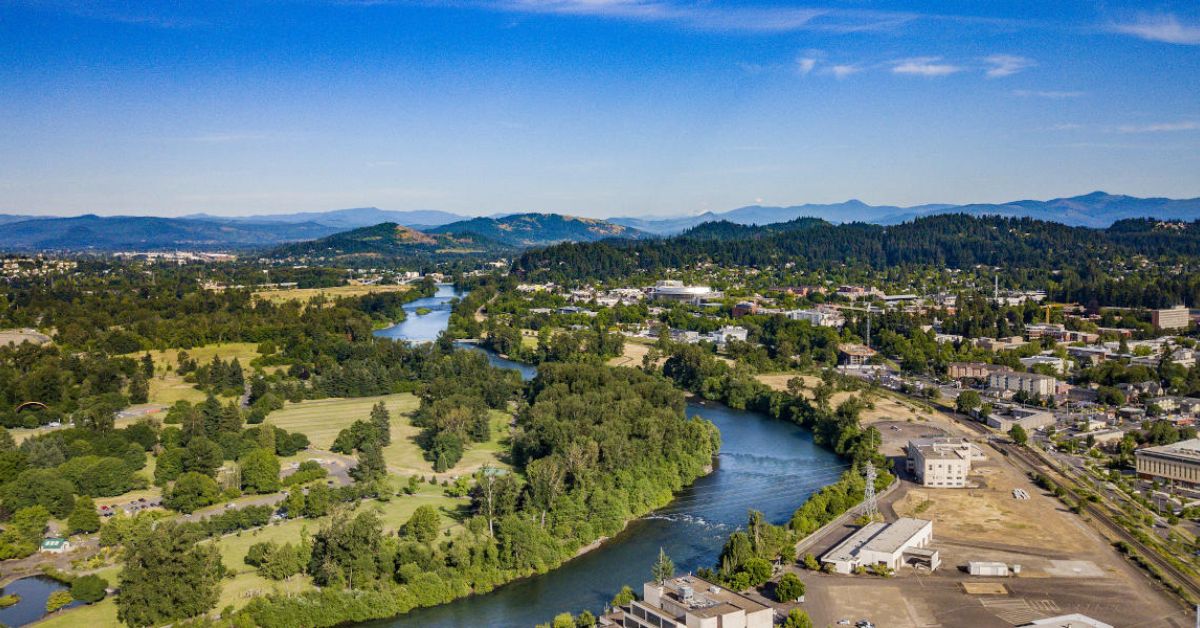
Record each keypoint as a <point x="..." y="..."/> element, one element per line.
<point x="590" y="107"/>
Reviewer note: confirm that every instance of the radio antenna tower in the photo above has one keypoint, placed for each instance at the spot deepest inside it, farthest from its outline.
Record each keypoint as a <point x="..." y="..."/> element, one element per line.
<point x="870" y="504"/>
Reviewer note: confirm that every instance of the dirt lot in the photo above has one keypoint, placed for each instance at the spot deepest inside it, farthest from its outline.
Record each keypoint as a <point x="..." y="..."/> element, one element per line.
<point x="1065" y="567"/>
<point x="18" y="336"/>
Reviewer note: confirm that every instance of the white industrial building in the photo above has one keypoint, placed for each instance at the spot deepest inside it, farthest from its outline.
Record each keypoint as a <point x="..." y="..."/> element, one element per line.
<point x="820" y="318"/>
<point x="690" y="602"/>
<point x="942" y="462"/>
<point x="890" y="544"/>
<point x="676" y="291"/>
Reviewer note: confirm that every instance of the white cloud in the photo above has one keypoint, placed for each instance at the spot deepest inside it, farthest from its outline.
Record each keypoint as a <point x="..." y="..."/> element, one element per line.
<point x="1161" y="27"/>
<point x="841" y="71"/>
<point x="924" y="66"/>
<point x="1051" y="94"/>
<point x="1006" y="65"/>
<point x="805" y="65"/>
<point x="1161" y="127"/>
<point x="713" y="16"/>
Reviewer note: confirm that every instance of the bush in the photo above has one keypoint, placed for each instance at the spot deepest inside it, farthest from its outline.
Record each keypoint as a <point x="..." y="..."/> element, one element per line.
<point x="57" y="600"/>
<point x="89" y="589"/>
<point x="789" y="588"/>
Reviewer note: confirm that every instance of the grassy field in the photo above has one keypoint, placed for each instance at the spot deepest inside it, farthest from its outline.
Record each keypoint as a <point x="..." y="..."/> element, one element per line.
<point x="403" y="456"/>
<point x="306" y="294"/>
<point x="321" y="421"/>
<point x="166" y="387"/>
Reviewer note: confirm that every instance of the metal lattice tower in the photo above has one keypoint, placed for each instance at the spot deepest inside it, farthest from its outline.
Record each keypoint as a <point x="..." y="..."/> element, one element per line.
<point x="870" y="504"/>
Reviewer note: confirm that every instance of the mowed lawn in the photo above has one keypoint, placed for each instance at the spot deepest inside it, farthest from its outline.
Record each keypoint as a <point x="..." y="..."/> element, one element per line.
<point x="321" y="420"/>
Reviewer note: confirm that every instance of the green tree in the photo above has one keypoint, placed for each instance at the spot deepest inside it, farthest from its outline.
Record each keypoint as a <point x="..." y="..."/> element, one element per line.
<point x="1018" y="435"/>
<point x="294" y="503"/>
<point x="563" y="620"/>
<point x="967" y="401"/>
<point x="624" y="596"/>
<point x="664" y="567"/>
<point x="84" y="518"/>
<point x="423" y="525"/>
<point x="260" y="471"/>
<point x="167" y="577"/>
<point x="381" y="419"/>
<point x="797" y="618"/>
<point x="789" y="588"/>
<point x="202" y="456"/>
<point x="89" y="589"/>
<point x="192" y="491"/>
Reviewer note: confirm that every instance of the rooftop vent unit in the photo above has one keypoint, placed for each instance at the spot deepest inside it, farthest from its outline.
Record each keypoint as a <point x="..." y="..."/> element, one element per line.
<point x="685" y="591"/>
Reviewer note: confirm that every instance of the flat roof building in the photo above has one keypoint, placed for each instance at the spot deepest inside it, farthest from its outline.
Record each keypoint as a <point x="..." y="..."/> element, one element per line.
<point x="691" y="602"/>
<point x="1177" y="463"/>
<point x="941" y="462"/>
<point x="677" y="291"/>
<point x="854" y="354"/>
<point x="1029" y="383"/>
<point x="888" y="544"/>
<point x="1005" y="418"/>
<point x="1172" y="318"/>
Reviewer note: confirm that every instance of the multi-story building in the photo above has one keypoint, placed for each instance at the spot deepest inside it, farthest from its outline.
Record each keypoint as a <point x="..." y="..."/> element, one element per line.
<point x="970" y="370"/>
<point x="941" y="462"/>
<point x="1028" y="383"/>
<point x="1177" y="463"/>
<point x="1057" y="364"/>
<point x="1171" y="318"/>
<point x="820" y="318"/>
<point x="854" y="354"/>
<point x="691" y="602"/>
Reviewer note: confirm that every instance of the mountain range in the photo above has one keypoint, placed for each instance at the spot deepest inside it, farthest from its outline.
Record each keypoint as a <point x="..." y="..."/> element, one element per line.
<point x="1097" y="210"/>
<point x="148" y="233"/>
<point x="515" y="231"/>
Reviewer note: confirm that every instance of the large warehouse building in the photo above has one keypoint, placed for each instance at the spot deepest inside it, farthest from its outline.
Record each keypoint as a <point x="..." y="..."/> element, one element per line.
<point x="890" y="544"/>
<point x="1177" y="463"/>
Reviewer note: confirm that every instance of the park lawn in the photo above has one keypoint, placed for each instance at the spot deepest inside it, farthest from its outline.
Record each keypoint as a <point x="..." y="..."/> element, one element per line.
<point x="102" y="614"/>
<point x="306" y="294"/>
<point x="167" y="387"/>
<point x="322" y="419"/>
<point x="404" y="456"/>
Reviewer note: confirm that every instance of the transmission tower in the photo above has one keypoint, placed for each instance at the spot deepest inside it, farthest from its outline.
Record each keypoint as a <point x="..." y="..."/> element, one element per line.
<point x="870" y="505"/>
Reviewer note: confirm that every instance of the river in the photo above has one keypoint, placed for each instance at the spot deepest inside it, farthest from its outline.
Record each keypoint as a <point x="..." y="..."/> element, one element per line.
<point x="765" y="464"/>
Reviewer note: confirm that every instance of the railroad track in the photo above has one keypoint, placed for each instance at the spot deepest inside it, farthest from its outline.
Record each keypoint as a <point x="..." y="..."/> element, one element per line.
<point x="1180" y="578"/>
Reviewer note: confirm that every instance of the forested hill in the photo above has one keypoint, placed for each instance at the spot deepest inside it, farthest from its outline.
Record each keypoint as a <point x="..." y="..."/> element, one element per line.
<point x="526" y="230"/>
<point x="947" y="241"/>
<point x="387" y="241"/>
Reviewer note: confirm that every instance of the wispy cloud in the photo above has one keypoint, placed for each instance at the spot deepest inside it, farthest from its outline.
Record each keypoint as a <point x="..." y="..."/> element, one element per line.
<point x="1161" y="127"/>
<point x="1164" y="27"/>
<point x="1051" y="94"/>
<point x="924" y="66"/>
<point x="712" y="16"/>
<point x="805" y="65"/>
<point x="842" y="70"/>
<point x="1006" y="65"/>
